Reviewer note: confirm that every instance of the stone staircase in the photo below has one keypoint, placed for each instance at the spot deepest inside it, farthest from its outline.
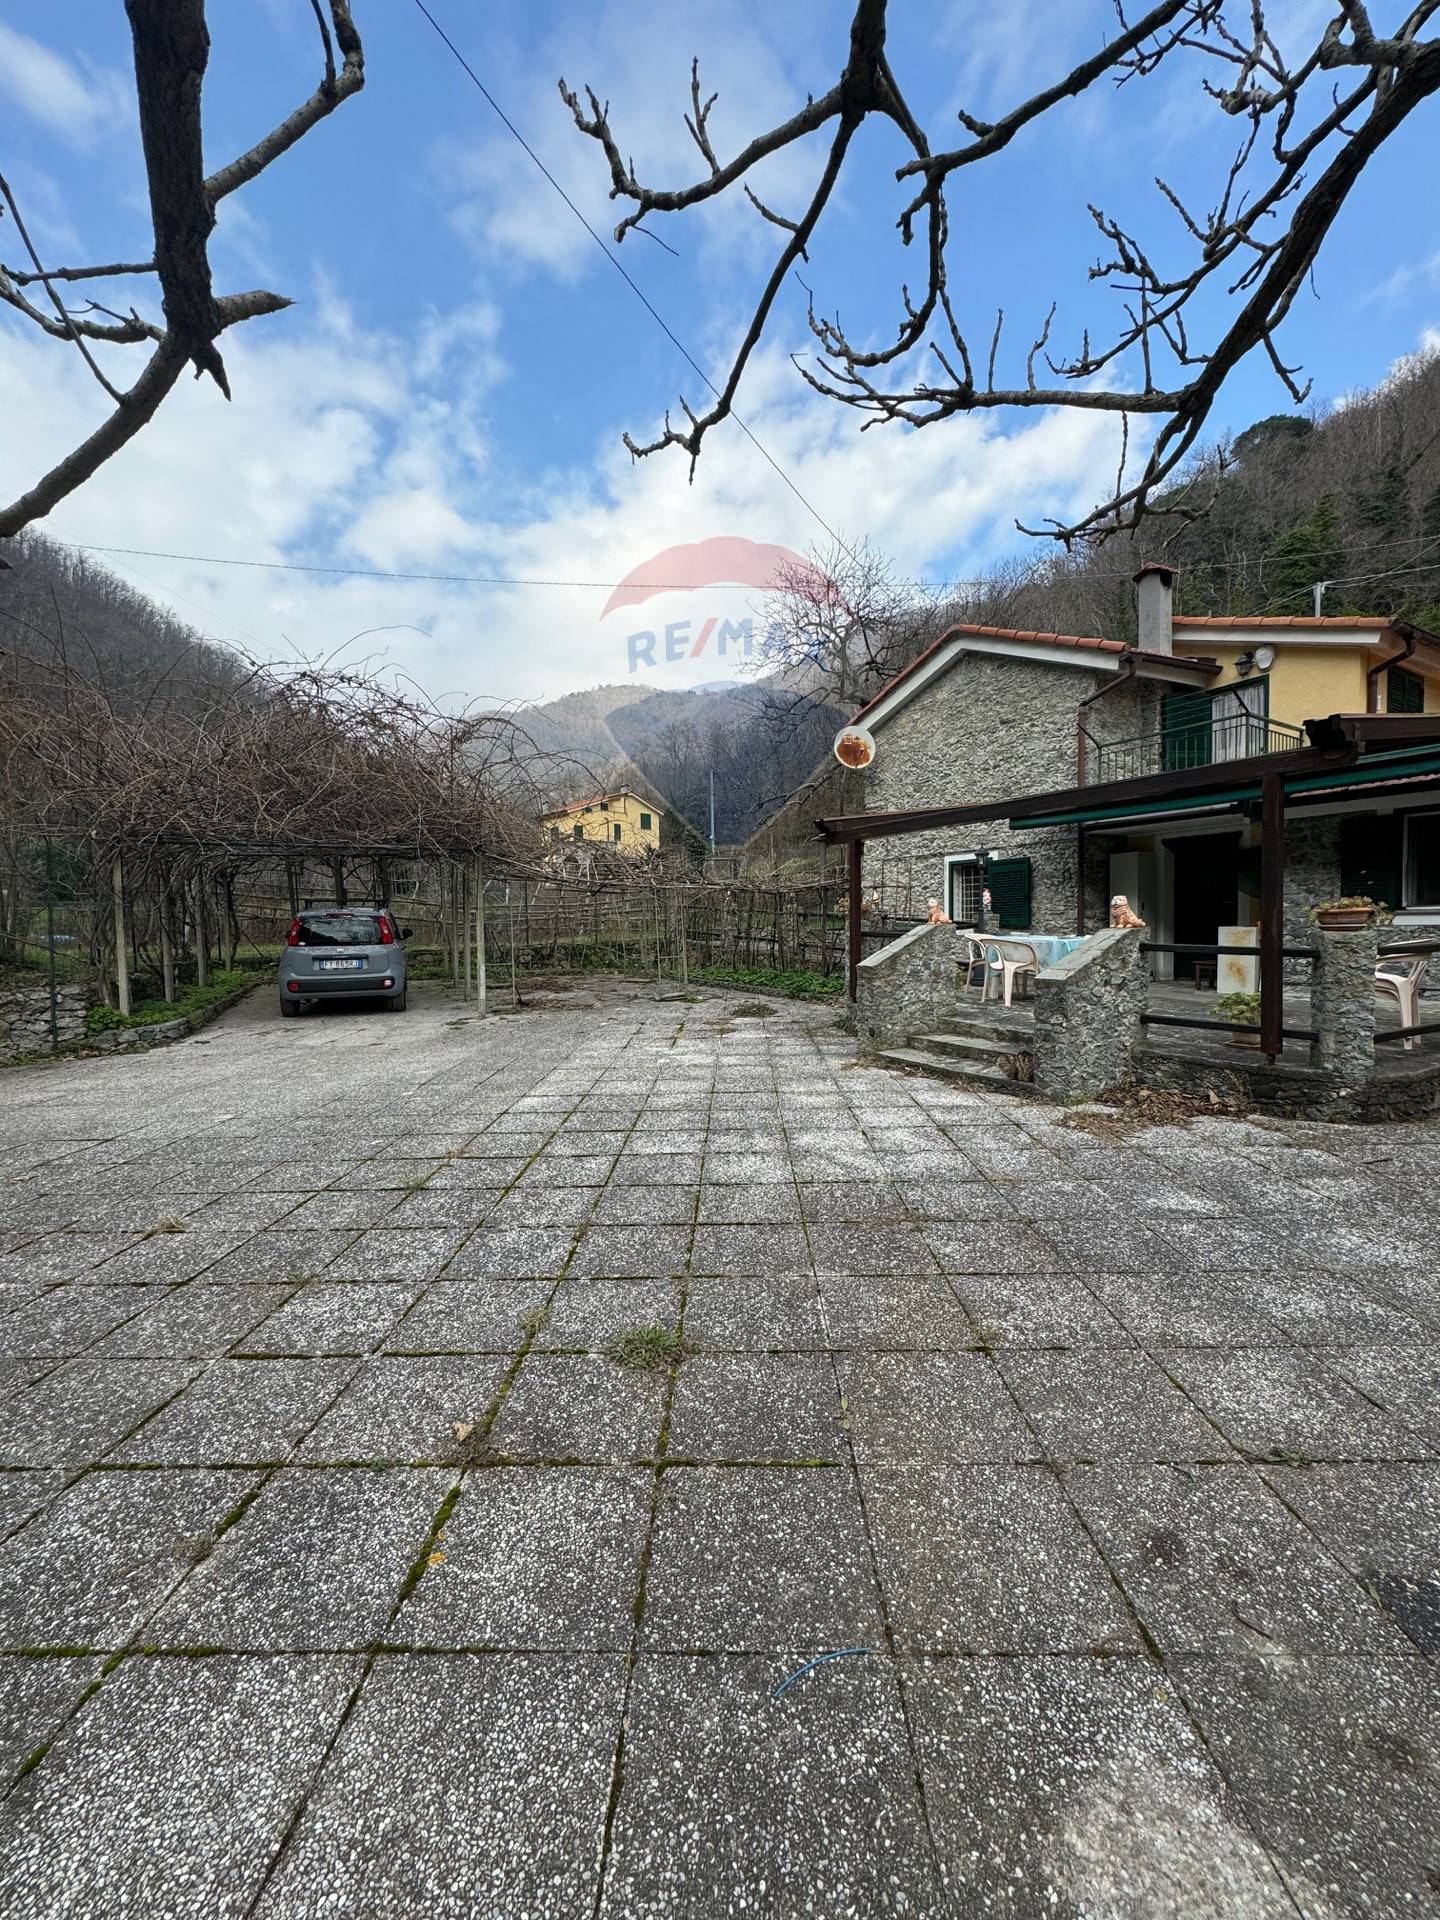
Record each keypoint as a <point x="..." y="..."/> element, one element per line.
<point x="970" y="1045"/>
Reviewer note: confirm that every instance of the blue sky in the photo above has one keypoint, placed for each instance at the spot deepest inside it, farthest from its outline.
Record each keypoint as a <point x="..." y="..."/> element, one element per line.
<point x="447" y="394"/>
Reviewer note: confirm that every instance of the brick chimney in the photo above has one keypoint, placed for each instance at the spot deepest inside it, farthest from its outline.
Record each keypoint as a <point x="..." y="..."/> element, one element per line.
<point x="1154" y="607"/>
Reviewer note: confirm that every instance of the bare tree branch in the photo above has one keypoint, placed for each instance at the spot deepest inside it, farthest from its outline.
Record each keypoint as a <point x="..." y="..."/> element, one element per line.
<point x="1263" y="255"/>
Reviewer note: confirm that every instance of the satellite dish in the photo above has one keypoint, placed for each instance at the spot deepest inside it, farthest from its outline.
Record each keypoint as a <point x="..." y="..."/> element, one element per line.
<point x="855" y="747"/>
<point x="1264" y="658"/>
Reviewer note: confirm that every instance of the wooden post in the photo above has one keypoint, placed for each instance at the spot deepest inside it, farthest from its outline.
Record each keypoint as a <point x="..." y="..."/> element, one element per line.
<point x="465" y="922"/>
<point x="292" y="886"/>
<point x="480" y="980"/>
<point x="122" y="954"/>
<point x="855" y="853"/>
<point x="202" y="934"/>
<point x="1272" y="914"/>
<point x="167" y="944"/>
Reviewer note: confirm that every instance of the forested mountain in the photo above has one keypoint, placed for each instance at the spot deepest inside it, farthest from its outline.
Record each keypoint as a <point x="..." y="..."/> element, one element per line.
<point x="64" y="613"/>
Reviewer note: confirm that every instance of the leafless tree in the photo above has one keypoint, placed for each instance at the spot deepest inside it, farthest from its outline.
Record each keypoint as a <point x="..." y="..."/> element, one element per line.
<point x="172" y="47"/>
<point x="838" y="625"/>
<point x="1310" y="121"/>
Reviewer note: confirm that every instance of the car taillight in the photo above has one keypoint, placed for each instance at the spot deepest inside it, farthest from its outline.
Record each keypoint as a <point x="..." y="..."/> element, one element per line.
<point x="387" y="932"/>
<point x="292" y="938"/>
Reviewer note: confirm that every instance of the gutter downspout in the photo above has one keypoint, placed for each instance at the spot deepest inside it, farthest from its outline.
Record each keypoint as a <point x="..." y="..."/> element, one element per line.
<point x="1372" y="675"/>
<point x="1125" y="676"/>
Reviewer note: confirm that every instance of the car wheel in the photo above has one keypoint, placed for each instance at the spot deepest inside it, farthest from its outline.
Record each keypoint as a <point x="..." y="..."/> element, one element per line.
<point x="289" y="1009"/>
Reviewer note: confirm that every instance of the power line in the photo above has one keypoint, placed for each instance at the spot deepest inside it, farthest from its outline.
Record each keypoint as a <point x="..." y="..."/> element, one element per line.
<point x="624" y="273"/>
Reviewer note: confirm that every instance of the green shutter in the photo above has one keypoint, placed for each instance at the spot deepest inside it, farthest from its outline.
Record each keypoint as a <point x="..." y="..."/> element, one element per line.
<point x="1404" y="691"/>
<point x="1009" y="884"/>
<point x="1185" y="728"/>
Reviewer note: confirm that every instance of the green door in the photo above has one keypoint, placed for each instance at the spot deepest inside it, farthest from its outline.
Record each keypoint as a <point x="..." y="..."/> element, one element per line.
<point x="1185" y="730"/>
<point x="1009" y="884"/>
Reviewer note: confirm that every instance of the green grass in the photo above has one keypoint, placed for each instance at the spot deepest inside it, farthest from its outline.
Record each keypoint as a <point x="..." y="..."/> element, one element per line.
<point x="649" y="1349"/>
<point x="795" y="983"/>
<point x="150" y="1013"/>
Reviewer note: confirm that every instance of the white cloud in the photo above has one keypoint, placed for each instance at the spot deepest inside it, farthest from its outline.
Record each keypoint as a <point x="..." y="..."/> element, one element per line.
<point x="79" y="101"/>
<point x="346" y="446"/>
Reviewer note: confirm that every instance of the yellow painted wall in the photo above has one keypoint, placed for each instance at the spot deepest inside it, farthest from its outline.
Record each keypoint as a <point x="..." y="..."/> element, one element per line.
<point x="1306" y="683"/>
<point x="599" y="820"/>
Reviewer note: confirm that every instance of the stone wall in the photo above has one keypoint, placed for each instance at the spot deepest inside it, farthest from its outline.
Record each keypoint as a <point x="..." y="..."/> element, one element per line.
<point x="1312" y="873"/>
<point x="1342" y="1004"/>
<point x="1087" y="1016"/>
<point x="996" y="728"/>
<point x="25" y="1018"/>
<point x="906" y="988"/>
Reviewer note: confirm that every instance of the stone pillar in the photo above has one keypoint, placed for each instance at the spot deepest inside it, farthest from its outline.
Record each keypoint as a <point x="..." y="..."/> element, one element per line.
<point x="1087" y="1015"/>
<point x="906" y="988"/>
<point x="1342" y="1003"/>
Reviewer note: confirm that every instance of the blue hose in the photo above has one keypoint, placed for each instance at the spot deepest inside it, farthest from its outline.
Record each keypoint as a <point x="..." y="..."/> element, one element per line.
<point x="841" y="1653"/>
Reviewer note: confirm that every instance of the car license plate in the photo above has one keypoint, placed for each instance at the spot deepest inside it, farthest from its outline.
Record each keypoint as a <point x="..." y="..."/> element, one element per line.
<point x="340" y="966"/>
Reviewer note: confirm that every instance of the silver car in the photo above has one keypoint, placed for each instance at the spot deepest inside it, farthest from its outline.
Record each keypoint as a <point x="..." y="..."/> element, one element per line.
<point x="343" y="953"/>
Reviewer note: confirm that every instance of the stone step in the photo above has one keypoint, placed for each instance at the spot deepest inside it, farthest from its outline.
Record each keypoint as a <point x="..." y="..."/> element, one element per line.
<point x="959" y="1072"/>
<point x="975" y="1045"/>
<point x="1008" y="1027"/>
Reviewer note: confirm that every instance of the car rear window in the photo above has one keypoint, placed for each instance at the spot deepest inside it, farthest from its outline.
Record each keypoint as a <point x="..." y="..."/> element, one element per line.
<point x="341" y="930"/>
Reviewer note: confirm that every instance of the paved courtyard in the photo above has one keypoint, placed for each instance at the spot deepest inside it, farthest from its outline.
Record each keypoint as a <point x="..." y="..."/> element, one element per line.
<point x="344" y="1573"/>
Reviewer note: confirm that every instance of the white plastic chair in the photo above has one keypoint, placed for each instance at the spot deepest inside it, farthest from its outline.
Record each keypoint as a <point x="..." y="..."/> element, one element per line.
<point x="974" y="956"/>
<point x="1399" y="979"/>
<point x="1012" y="959"/>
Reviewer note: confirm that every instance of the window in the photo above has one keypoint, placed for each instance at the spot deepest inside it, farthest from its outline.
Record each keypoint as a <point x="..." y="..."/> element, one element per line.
<point x="616" y="831"/>
<point x="1404" y="691"/>
<point x="645" y="823"/>
<point x="577" y="832"/>
<point x="962" y="887"/>
<point x="1422" y="860"/>
<point x="604" y="806"/>
<point x="339" y="930"/>
<point x="1240" y="720"/>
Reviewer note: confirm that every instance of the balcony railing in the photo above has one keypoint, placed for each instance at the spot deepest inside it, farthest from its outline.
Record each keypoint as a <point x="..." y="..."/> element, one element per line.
<point x="1172" y="749"/>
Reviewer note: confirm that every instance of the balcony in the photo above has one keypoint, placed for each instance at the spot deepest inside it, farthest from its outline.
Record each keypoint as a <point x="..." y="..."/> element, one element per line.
<point x="1232" y="736"/>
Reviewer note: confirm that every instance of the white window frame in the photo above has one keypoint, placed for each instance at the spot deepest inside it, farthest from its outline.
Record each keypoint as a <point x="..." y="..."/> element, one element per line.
<point x="953" y="860"/>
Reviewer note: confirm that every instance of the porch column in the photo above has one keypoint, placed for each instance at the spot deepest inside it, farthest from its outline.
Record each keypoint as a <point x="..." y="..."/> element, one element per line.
<point x="1272" y="914"/>
<point x="1080" y="877"/>
<point x="854" y="855"/>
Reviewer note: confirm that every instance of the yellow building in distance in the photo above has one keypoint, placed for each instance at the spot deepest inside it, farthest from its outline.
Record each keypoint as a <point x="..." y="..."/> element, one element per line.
<point x="624" y="820"/>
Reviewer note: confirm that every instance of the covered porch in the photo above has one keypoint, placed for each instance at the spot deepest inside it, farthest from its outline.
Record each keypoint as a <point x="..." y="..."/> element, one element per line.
<point x="1365" y="764"/>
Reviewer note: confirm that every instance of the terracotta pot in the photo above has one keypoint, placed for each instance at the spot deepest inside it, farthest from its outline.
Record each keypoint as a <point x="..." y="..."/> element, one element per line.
<point x="1343" y="919"/>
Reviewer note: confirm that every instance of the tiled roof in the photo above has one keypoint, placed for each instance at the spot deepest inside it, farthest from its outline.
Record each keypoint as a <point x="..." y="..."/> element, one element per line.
<point x="1376" y="623"/>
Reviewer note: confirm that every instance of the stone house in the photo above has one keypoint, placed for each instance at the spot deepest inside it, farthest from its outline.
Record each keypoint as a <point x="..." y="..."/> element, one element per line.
<point x="990" y="714"/>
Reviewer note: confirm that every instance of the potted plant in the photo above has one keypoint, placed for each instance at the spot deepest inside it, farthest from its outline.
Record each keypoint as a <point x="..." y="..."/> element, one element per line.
<point x="1241" y="1010"/>
<point x="1344" y="915"/>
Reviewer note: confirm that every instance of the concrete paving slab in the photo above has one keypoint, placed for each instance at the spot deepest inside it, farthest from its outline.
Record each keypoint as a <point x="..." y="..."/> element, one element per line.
<point x="1213" y="1563"/>
<point x="470" y="1316"/>
<point x="24" y="1491"/>
<point x="878" y="1311"/>
<point x="1037" y="1310"/>
<point x="818" y="1814"/>
<point x="1290" y="1407"/>
<point x="1078" y="1786"/>
<point x="36" y="1696"/>
<point x="589" y="1314"/>
<point x="754" y="1316"/>
<point x="512" y="1253"/>
<point x="755" y="1559"/>
<point x="1109" y="1404"/>
<point x="1333" y="1762"/>
<point x="65" y="1320"/>
<point x="73" y="1416"/>
<point x="588" y="1407"/>
<point x="400" y="1409"/>
<point x="535" y="1558"/>
<point x="1383" y="1523"/>
<point x="319" y="1318"/>
<point x="629" y="1253"/>
<point x="193" y="1322"/>
<point x="316" y="1562"/>
<point x="123" y="1819"/>
<point x="91" y="1569"/>
<point x="985" y="1559"/>
<point x="461" y="1784"/>
<point x="237" y="1413"/>
<point x="906" y="1408"/>
<point x="759" y="1406"/>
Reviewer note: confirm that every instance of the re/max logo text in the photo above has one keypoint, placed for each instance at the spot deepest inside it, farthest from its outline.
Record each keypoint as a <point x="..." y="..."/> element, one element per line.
<point x="675" y="641"/>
